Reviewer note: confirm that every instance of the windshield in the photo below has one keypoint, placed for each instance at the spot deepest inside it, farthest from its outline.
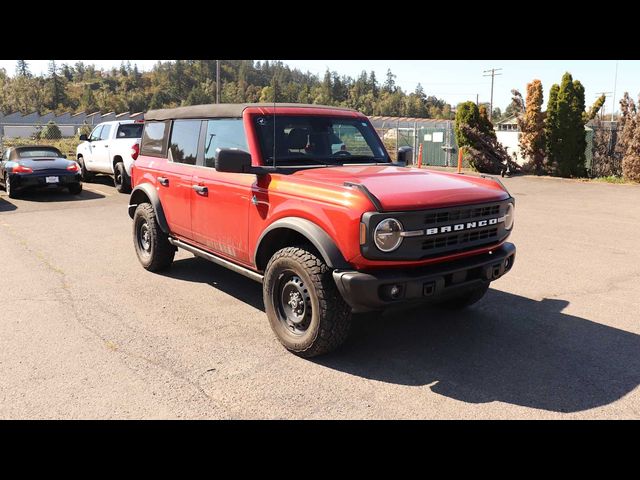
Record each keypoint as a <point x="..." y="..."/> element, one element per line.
<point x="318" y="140"/>
<point x="40" y="152"/>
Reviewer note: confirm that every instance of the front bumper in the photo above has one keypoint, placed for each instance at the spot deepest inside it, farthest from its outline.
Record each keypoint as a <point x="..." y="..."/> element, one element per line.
<point x="32" y="180"/>
<point x="371" y="291"/>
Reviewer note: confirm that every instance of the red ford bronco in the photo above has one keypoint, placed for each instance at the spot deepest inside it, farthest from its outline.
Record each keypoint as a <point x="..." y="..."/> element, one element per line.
<point x="306" y="200"/>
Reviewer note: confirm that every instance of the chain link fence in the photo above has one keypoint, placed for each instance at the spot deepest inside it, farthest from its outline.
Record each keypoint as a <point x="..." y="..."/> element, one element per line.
<point x="437" y="138"/>
<point x="605" y="160"/>
<point x="64" y="137"/>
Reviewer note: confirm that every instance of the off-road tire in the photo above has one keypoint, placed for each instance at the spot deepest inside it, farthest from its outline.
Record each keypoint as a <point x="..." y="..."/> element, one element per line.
<point x="159" y="254"/>
<point x="86" y="175"/>
<point x="121" y="180"/>
<point x="466" y="299"/>
<point x="75" y="189"/>
<point x="329" y="317"/>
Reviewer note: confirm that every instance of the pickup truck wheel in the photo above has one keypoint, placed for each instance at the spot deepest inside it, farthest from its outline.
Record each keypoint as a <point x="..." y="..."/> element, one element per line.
<point x="304" y="307"/>
<point x="86" y="175"/>
<point x="121" y="179"/>
<point x="465" y="300"/>
<point x="151" y="243"/>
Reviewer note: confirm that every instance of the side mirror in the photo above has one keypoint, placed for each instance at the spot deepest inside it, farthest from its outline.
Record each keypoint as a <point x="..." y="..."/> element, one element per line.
<point x="64" y="155"/>
<point x="83" y="137"/>
<point x="232" y="160"/>
<point x="405" y="155"/>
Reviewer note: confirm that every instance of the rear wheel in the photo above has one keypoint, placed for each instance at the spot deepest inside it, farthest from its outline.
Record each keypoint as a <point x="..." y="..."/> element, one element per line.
<point x="75" y="189"/>
<point x="151" y="243"/>
<point x="304" y="307"/>
<point x="8" y="187"/>
<point x="121" y="179"/>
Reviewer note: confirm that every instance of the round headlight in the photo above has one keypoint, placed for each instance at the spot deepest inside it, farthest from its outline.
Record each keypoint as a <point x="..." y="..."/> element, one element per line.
<point x="508" y="216"/>
<point x="387" y="235"/>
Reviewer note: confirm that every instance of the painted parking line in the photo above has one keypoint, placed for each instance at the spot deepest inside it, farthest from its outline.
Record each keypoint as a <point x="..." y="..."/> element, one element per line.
<point x="96" y="190"/>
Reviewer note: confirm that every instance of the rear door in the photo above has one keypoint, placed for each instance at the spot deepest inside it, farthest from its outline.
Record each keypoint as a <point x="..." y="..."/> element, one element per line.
<point x="174" y="183"/>
<point x="219" y="200"/>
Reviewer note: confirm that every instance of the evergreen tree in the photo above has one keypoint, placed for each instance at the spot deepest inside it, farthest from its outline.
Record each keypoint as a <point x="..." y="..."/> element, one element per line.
<point x="551" y="128"/>
<point x="390" y="83"/>
<point x="466" y="114"/>
<point x="22" y="68"/>
<point x="56" y="88"/>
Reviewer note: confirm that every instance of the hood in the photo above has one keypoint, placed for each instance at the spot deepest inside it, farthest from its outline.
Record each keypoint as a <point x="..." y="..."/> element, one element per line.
<point x="45" y="163"/>
<point x="400" y="188"/>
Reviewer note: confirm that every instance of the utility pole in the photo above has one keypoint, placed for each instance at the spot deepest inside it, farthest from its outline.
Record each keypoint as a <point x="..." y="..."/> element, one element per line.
<point x="218" y="81"/>
<point x="477" y="96"/>
<point x="492" y="74"/>
<point x="615" y="84"/>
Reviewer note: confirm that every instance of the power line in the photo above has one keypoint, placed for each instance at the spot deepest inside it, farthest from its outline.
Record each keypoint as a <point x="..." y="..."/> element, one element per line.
<point x="492" y="75"/>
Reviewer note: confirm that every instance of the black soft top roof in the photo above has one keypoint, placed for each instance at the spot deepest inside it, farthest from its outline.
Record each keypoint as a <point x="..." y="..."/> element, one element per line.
<point x="225" y="110"/>
<point x="14" y="152"/>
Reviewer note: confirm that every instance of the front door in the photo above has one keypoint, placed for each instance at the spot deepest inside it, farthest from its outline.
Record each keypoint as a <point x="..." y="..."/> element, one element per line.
<point x="220" y="201"/>
<point x="102" y="161"/>
<point x="90" y="158"/>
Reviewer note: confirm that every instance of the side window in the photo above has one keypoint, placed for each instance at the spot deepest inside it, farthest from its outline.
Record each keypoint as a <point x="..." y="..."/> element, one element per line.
<point x="184" y="141"/>
<point x="95" y="135"/>
<point x="154" y="139"/>
<point x="106" y="130"/>
<point x="223" y="133"/>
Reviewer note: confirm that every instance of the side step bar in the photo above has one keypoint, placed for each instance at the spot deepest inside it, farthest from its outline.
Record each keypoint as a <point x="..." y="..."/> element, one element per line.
<point x="216" y="259"/>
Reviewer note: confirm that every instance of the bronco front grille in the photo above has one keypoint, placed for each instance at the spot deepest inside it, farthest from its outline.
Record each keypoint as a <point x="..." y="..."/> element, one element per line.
<point x="444" y="230"/>
<point x="460" y="240"/>
<point x="461" y="214"/>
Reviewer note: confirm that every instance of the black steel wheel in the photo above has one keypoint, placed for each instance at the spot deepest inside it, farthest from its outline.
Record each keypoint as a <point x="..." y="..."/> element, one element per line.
<point x="303" y="304"/>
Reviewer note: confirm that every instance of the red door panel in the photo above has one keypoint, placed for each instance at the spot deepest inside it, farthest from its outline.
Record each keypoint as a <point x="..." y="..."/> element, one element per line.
<point x="219" y="215"/>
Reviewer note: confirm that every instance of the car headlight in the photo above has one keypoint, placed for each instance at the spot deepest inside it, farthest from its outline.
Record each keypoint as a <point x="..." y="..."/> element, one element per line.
<point x="509" y="216"/>
<point x="387" y="235"/>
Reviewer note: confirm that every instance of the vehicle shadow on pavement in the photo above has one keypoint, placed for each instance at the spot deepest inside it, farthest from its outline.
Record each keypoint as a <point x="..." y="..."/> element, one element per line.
<point x="58" y="196"/>
<point x="198" y="270"/>
<point x="6" y="206"/>
<point x="507" y="348"/>
<point x="100" y="180"/>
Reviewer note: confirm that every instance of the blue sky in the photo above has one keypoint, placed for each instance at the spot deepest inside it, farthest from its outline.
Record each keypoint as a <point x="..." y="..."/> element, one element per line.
<point x="455" y="80"/>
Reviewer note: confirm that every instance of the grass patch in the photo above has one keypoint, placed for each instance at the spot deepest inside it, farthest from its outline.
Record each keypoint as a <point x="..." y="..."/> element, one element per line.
<point x="613" y="179"/>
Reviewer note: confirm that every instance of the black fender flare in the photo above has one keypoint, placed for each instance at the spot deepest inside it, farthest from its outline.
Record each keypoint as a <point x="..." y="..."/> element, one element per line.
<point x="318" y="237"/>
<point x="146" y="191"/>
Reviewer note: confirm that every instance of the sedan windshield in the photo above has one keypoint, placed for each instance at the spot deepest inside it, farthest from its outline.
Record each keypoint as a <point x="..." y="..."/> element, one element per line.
<point x="318" y="140"/>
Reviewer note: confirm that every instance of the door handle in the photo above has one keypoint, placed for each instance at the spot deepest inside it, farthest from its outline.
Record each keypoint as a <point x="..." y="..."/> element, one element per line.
<point x="164" y="181"/>
<point x="106" y="146"/>
<point x="200" y="189"/>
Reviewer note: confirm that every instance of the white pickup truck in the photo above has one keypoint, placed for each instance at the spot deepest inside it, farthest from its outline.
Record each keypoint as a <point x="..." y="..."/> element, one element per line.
<point x="111" y="148"/>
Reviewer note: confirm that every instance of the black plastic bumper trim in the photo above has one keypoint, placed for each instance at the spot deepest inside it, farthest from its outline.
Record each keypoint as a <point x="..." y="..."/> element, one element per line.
<point x="363" y="291"/>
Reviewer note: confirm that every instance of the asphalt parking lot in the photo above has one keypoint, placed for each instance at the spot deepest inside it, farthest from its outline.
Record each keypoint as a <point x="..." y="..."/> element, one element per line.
<point x="86" y="332"/>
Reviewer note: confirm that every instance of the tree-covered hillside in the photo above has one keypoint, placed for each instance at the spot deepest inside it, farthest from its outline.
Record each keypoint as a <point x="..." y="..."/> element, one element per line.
<point x="82" y="87"/>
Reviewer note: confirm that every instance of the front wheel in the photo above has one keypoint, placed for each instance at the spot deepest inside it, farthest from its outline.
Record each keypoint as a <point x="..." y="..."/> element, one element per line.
<point x="86" y="175"/>
<point x="121" y="179"/>
<point x="151" y="243"/>
<point x="304" y="307"/>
